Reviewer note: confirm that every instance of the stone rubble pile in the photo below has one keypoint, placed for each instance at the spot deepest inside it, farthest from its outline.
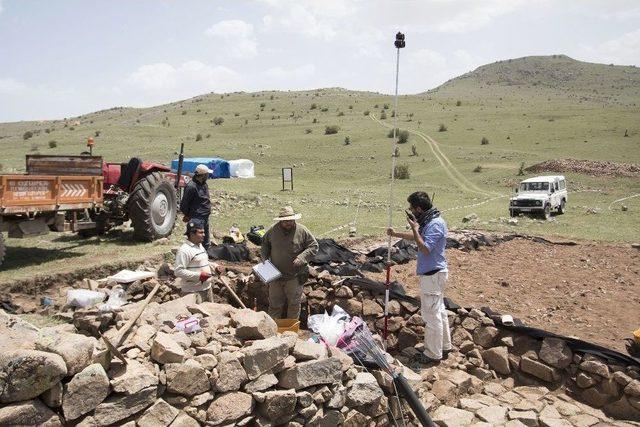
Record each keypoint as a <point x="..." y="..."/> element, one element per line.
<point x="239" y="371"/>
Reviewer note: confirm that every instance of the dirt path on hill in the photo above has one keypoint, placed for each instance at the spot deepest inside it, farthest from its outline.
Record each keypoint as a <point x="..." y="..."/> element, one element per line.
<point x="590" y="291"/>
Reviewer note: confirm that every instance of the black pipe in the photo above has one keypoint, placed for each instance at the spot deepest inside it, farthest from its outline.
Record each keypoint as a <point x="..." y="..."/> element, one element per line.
<point x="410" y="396"/>
<point x="179" y="171"/>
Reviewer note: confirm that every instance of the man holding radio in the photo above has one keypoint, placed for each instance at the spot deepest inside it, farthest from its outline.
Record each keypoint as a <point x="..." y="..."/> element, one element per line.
<point x="429" y="231"/>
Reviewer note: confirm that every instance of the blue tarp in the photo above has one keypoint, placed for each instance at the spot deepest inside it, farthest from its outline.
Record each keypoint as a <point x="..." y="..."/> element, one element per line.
<point x="219" y="166"/>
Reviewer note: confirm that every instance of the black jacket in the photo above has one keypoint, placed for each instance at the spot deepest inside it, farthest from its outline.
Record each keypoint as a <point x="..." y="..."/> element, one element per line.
<point x="195" y="200"/>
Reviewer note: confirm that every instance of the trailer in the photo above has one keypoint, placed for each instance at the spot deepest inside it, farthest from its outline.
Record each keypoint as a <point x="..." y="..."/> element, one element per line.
<point x="85" y="195"/>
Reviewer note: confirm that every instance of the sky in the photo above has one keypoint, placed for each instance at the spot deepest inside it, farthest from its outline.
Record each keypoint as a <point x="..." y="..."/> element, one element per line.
<point x="64" y="58"/>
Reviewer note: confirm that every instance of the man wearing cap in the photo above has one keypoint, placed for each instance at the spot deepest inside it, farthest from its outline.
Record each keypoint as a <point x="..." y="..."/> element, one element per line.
<point x="429" y="231"/>
<point x="195" y="203"/>
<point x="192" y="266"/>
<point x="290" y="246"/>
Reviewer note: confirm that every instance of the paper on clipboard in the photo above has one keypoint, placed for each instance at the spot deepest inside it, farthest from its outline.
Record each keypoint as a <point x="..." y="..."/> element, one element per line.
<point x="266" y="271"/>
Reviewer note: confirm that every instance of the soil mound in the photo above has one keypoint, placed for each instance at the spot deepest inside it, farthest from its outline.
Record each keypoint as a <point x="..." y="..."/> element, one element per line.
<point x="587" y="167"/>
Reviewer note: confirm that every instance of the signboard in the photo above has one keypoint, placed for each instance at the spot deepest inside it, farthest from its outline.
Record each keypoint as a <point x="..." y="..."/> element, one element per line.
<point x="287" y="177"/>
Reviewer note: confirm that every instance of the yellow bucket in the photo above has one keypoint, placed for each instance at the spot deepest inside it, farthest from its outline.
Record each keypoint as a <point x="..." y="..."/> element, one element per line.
<point x="636" y="336"/>
<point x="284" y="325"/>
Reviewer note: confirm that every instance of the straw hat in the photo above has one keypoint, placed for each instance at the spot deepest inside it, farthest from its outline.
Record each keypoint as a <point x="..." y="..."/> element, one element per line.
<point x="286" y="214"/>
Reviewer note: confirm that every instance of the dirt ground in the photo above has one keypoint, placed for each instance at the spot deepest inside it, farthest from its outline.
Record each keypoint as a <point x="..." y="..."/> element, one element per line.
<point x="588" y="291"/>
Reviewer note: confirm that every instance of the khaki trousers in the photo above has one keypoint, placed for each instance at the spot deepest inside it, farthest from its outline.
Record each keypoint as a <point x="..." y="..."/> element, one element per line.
<point x="437" y="336"/>
<point x="285" y="292"/>
<point x="201" y="296"/>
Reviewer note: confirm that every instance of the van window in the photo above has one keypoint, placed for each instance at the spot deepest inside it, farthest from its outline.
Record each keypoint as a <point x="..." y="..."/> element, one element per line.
<point x="534" y="186"/>
<point x="556" y="185"/>
<point x="562" y="184"/>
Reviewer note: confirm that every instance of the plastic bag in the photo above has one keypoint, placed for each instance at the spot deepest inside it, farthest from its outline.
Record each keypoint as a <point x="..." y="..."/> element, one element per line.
<point x="330" y="327"/>
<point x="83" y="297"/>
<point x="116" y="300"/>
<point x="188" y="324"/>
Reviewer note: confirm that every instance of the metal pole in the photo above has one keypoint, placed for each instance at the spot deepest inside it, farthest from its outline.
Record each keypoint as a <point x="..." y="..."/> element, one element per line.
<point x="399" y="43"/>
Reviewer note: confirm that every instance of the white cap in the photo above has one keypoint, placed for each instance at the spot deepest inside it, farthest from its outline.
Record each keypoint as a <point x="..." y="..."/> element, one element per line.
<point x="203" y="169"/>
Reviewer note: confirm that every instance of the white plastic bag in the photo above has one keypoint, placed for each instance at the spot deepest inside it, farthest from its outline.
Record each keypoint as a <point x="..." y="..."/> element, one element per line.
<point x="83" y="297"/>
<point x="330" y="328"/>
<point x="116" y="300"/>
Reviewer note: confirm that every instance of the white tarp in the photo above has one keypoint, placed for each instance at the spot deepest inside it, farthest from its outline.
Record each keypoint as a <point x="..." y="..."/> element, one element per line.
<point x="241" y="168"/>
<point x="128" y="276"/>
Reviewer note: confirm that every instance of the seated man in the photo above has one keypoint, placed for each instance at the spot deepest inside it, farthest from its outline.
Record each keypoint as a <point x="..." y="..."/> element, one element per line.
<point x="192" y="267"/>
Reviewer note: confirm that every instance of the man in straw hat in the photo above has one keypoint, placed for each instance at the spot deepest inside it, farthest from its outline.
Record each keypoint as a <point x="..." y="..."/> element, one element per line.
<point x="195" y="203"/>
<point x="192" y="267"/>
<point x="289" y="246"/>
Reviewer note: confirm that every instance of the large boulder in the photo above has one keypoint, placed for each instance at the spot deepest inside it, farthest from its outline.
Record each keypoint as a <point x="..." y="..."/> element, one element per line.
<point x="76" y="350"/>
<point x="160" y="414"/>
<point x="446" y="416"/>
<point x="498" y="359"/>
<point x="263" y="382"/>
<point x="556" y="352"/>
<point x="485" y="335"/>
<point x="539" y="370"/>
<point x="305" y="350"/>
<point x="16" y="333"/>
<point x="187" y="379"/>
<point x="252" y="325"/>
<point x="278" y="405"/>
<point x="86" y="390"/>
<point x="24" y="374"/>
<point x="364" y="391"/>
<point x="313" y="372"/>
<point x="261" y="356"/>
<point x="229" y="407"/>
<point x="231" y="374"/>
<point x="132" y="378"/>
<point x="165" y="350"/>
<point x="28" y="413"/>
<point x="119" y="407"/>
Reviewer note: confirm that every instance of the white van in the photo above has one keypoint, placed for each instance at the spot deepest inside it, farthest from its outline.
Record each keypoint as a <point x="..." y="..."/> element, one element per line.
<point x="540" y="195"/>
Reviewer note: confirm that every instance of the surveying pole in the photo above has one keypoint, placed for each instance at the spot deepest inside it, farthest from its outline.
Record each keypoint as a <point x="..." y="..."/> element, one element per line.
<point x="399" y="44"/>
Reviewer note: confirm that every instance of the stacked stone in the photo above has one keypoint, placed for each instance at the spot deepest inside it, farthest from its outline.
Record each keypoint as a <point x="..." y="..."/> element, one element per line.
<point x="236" y="371"/>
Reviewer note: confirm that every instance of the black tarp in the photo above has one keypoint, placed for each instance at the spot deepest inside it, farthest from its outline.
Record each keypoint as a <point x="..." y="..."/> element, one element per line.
<point x="234" y="252"/>
<point x="330" y="251"/>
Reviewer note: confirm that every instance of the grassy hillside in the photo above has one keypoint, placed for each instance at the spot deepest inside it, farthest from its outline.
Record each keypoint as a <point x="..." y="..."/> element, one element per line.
<point x="526" y="114"/>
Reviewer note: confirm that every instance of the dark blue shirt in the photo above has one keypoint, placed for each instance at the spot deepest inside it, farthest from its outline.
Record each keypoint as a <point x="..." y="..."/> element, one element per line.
<point x="195" y="201"/>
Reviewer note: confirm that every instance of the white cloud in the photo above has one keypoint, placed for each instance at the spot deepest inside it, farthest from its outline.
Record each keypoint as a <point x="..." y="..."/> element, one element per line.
<point x="12" y="87"/>
<point x="0" y="7"/>
<point x="624" y="50"/>
<point x="164" y="82"/>
<point x="475" y="15"/>
<point x="237" y="36"/>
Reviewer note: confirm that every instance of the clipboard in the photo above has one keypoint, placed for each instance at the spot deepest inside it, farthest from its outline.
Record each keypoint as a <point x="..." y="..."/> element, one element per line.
<point x="266" y="271"/>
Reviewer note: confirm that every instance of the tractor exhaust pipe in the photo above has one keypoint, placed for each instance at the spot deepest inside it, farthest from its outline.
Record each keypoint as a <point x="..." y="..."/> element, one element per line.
<point x="179" y="172"/>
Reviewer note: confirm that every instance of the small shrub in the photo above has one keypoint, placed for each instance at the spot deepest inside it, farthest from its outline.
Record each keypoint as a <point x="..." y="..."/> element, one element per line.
<point x="236" y="114"/>
<point x="313" y="106"/>
<point x="263" y="104"/>
<point x="478" y="169"/>
<point x="350" y="107"/>
<point x="458" y="103"/>
<point x="383" y="116"/>
<point x="402" y="172"/>
<point x="366" y="112"/>
<point x="53" y="144"/>
<point x="246" y="121"/>
<point x="376" y="106"/>
<point x="521" y="170"/>
<point x="208" y="135"/>
<point x="330" y="130"/>
<point x="484" y="141"/>
<point x="385" y="106"/>
<point x="199" y="137"/>
<point x="390" y="134"/>
<point x="184" y="112"/>
<point x="341" y="113"/>
<point x="308" y="131"/>
<point x="315" y="120"/>
<point x="403" y="137"/>
<point x="347" y="140"/>
<point x="271" y="97"/>
<point x="442" y="128"/>
<point x="72" y="128"/>
<point x="96" y="133"/>
<point x="218" y="120"/>
<point x="324" y="109"/>
<point x="47" y="130"/>
<point x="28" y="134"/>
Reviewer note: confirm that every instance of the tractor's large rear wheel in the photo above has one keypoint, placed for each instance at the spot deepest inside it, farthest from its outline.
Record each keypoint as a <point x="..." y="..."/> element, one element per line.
<point x="3" y="248"/>
<point x="152" y="207"/>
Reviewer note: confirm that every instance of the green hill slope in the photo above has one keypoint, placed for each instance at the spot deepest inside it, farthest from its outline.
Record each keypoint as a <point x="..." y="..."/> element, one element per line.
<point x="557" y="75"/>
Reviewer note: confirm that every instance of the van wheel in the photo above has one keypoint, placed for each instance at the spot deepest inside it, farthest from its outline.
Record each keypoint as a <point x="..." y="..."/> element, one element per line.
<point x="562" y="208"/>
<point x="513" y="213"/>
<point x="547" y="211"/>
